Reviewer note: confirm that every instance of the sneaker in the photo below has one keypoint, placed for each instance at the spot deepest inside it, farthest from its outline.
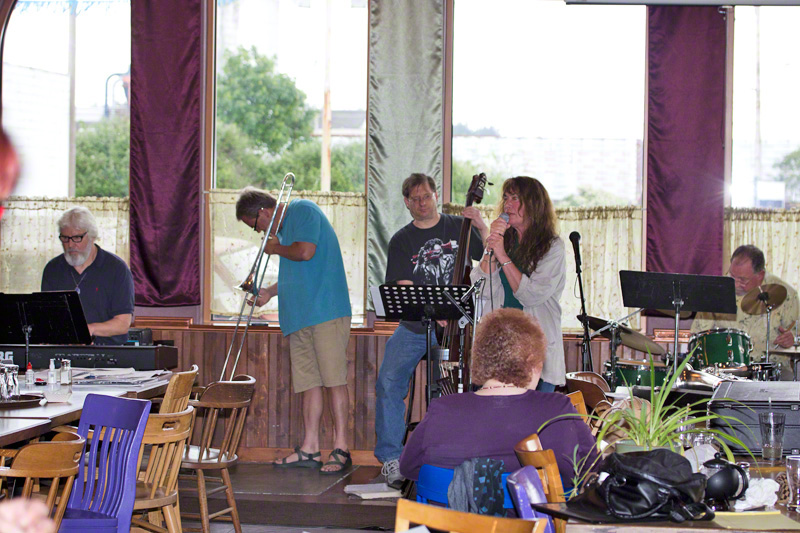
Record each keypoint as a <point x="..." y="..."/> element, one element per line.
<point x="391" y="471"/>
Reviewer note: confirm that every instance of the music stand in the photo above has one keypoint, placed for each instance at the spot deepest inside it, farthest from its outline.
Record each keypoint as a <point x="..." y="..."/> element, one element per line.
<point x="54" y="317"/>
<point x="426" y="303"/>
<point x="688" y="292"/>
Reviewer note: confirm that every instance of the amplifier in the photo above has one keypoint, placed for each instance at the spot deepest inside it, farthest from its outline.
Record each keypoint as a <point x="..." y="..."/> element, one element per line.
<point x="136" y="357"/>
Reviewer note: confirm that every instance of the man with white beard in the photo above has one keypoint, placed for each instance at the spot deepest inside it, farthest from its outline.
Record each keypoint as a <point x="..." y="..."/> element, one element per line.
<point x="102" y="280"/>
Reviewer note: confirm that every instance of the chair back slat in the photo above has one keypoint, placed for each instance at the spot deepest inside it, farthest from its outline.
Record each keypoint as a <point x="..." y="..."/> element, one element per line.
<point x="107" y="484"/>
<point x="165" y="437"/>
<point x="179" y="388"/>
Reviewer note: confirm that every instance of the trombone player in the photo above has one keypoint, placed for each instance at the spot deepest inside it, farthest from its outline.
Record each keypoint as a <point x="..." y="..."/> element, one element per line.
<point x="314" y="312"/>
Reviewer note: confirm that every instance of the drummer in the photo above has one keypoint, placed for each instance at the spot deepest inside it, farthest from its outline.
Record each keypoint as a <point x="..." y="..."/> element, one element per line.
<point x="748" y="272"/>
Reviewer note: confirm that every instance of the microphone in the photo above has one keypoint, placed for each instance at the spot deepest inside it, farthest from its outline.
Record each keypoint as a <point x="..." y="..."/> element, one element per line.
<point x="504" y="218"/>
<point x="575" y="237"/>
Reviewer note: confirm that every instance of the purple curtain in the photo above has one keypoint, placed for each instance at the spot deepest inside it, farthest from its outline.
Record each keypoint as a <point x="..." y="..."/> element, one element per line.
<point x="165" y="151"/>
<point x="685" y="153"/>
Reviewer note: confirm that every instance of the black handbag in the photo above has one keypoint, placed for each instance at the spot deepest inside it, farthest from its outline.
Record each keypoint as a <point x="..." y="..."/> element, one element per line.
<point x="645" y="486"/>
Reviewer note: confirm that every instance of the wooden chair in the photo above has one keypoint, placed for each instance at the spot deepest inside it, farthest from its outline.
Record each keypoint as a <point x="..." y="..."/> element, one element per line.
<point x="592" y="377"/>
<point x="530" y="453"/>
<point x="577" y="402"/>
<point x="157" y="488"/>
<point x="210" y="449"/>
<point x="179" y="389"/>
<point x="56" y="460"/>
<point x="592" y="392"/>
<point x="409" y="512"/>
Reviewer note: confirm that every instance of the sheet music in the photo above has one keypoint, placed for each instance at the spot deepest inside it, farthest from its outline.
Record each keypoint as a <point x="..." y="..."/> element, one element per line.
<point x="375" y="293"/>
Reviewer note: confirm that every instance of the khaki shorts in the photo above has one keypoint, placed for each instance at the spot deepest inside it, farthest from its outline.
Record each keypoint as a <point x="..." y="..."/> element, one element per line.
<point x="319" y="355"/>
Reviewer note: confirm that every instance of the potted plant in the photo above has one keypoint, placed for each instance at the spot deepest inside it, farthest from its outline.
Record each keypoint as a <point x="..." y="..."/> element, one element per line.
<point x="662" y="424"/>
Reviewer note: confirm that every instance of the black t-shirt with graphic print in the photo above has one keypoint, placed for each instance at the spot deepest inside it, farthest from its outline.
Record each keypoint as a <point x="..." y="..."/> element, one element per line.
<point x="427" y="256"/>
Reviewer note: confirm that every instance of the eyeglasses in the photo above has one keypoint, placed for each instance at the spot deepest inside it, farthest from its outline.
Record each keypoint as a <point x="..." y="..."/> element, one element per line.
<point x="420" y="199"/>
<point x="75" y="238"/>
<point x="741" y="281"/>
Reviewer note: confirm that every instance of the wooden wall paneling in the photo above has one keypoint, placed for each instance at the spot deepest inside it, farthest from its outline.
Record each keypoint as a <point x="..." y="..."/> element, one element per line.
<point x="258" y="420"/>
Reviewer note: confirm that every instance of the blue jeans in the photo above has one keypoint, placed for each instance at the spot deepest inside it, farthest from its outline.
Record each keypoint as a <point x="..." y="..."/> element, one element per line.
<point x="403" y="351"/>
<point x="544" y="386"/>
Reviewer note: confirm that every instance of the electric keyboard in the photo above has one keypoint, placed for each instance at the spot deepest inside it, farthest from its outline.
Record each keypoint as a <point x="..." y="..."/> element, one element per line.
<point x="91" y="356"/>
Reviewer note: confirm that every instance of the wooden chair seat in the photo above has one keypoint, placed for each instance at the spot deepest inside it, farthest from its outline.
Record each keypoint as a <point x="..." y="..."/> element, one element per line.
<point x="149" y="496"/>
<point x="211" y="458"/>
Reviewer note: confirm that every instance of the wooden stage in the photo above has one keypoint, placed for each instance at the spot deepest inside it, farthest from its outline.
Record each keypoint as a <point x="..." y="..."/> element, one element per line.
<point x="301" y="497"/>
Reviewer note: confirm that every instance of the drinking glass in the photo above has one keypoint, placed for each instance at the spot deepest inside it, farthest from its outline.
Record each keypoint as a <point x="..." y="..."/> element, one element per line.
<point x="793" y="479"/>
<point x="772" y="425"/>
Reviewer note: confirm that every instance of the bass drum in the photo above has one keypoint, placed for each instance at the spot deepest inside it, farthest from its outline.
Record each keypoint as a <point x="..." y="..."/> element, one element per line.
<point x="728" y="348"/>
<point x="630" y="373"/>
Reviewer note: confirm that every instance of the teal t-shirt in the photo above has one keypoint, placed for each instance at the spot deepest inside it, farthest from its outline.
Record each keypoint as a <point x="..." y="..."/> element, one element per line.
<point x="314" y="291"/>
<point x="510" y="300"/>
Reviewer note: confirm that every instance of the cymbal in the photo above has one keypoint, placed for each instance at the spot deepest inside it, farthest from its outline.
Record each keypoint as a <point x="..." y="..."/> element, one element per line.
<point x="756" y="301"/>
<point x="628" y="337"/>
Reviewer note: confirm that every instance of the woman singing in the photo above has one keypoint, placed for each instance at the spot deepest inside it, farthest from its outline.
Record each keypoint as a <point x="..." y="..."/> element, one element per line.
<point x="524" y="260"/>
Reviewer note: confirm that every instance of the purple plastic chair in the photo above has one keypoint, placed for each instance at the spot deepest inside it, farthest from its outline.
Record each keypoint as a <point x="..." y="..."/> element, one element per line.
<point x="103" y="493"/>
<point x="525" y="488"/>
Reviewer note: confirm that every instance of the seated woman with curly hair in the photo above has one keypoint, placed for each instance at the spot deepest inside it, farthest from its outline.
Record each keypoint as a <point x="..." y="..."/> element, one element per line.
<point x="507" y="360"/>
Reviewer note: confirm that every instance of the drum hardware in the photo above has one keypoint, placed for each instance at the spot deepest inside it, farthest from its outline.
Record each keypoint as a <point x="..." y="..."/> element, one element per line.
<point x="255" y="279"/>
<point x="618" y="333"/>
<point x="764" y="299"/>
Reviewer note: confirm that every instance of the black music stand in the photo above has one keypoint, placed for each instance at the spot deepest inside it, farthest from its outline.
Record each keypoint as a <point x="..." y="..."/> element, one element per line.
<point x="687" y="292"/>
<point x="426" y="303"/>
<point x="43" y="318"/>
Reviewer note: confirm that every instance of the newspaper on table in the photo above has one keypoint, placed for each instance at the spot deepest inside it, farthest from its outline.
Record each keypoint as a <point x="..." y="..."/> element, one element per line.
<point x="126" y="377"/>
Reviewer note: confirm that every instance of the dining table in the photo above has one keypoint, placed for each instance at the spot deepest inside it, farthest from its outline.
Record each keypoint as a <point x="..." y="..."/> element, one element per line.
<point x="19" y="424"/>
<point x="775" y="518"/>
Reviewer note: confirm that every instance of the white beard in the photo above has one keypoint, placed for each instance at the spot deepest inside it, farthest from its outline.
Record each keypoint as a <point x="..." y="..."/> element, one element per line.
<point x="76" y="259"/>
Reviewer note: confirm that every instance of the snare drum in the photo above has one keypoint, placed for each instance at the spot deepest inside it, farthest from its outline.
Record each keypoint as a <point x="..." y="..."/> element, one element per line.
<point x="630" y="373"/>
<point x="723" y="347"/>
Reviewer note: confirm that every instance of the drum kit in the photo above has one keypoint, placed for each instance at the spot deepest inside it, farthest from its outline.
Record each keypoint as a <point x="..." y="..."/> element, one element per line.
<point x="716" y="355"/>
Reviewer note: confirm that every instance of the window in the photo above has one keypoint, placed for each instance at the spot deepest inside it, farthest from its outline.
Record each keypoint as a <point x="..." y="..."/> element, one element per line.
<point x="71" y="144"/>
<point x="766" y="80"/>
<point x="278" y="64"/>
<point x="551" y="91"/>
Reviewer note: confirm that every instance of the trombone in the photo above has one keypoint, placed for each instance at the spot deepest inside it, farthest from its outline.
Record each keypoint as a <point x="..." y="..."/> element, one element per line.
<point x="255" y="279"/>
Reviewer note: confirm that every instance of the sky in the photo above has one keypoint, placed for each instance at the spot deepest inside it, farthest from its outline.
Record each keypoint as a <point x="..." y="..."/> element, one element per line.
<point x="528" y="68"/>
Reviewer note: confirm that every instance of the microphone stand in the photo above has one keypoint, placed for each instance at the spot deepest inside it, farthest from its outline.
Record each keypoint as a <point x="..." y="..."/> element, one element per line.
<point x="586" y="347"/>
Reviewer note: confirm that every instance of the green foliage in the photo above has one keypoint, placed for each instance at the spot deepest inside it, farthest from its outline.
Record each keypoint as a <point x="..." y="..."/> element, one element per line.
<point x="238" y="162"/>
<point x="789" y="170"/>
<point x="462" y="178"/>
<point x="590" y="197"/>
<point x="264" y="104"/>
<point x="102" y="157"/>
<point x="347" y="167"/>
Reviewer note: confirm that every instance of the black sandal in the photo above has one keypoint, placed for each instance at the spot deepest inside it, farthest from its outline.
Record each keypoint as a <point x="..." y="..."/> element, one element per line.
<point x="335" y="459"/>
<point x="304" y="460"/>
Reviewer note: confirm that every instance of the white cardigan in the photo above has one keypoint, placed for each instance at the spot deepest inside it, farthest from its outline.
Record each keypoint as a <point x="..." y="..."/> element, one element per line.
<point x="539" y="294"/>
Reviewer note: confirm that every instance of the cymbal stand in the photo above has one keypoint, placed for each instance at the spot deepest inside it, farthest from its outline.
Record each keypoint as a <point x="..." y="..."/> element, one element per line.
<point x="614" y="342"/>
<point x="764" y="297"/>
<point x="677" y="301"/>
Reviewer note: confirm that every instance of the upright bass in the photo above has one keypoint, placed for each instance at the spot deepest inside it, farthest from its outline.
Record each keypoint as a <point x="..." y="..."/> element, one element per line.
<point x="454" y="351"/>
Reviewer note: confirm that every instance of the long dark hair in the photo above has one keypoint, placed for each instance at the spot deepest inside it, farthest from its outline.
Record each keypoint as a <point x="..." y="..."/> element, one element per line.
<point x="527" y="250"/>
